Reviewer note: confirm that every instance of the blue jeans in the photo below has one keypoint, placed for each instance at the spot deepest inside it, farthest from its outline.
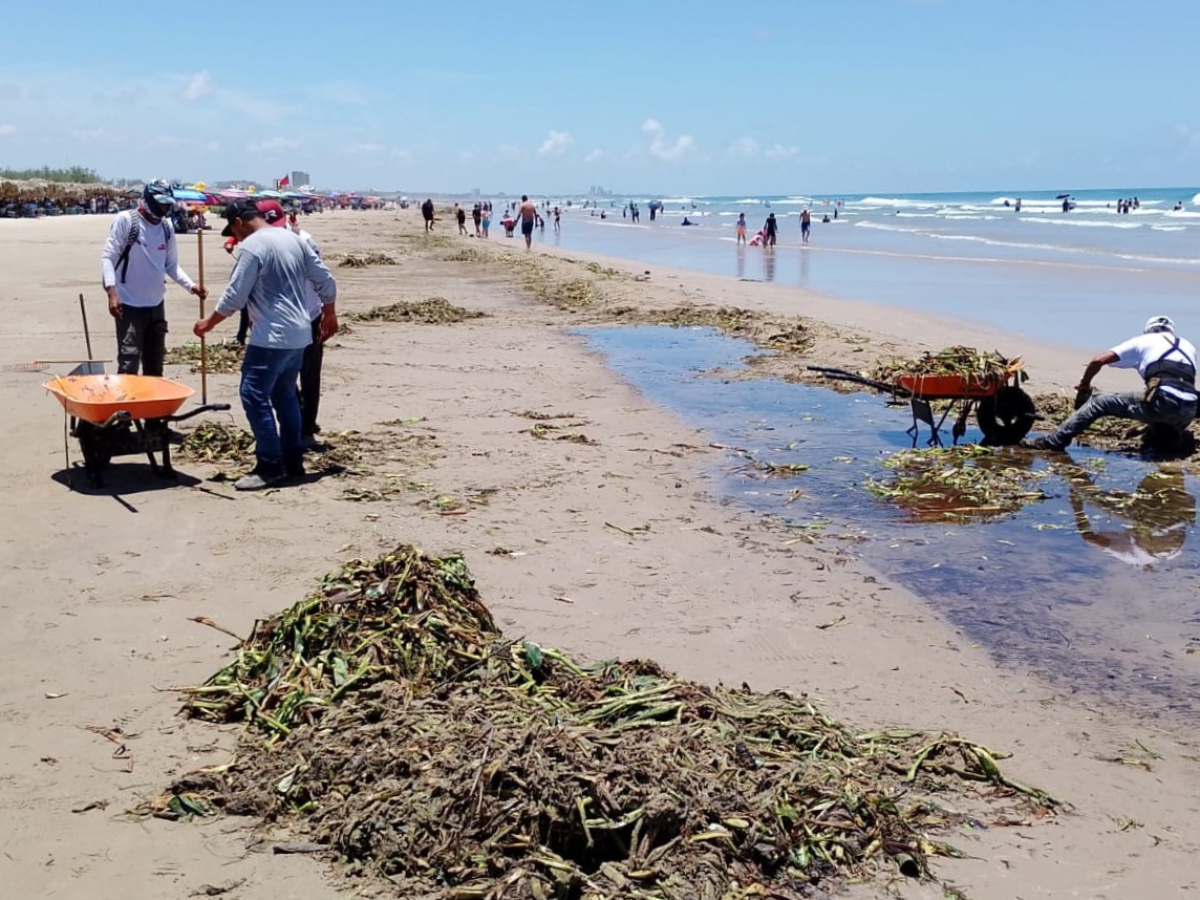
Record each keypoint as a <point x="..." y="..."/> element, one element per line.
<point x="1123" y="406"/>
<point x="268" y="393"/>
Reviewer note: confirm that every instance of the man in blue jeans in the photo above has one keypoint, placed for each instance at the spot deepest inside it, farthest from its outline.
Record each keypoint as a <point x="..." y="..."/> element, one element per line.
<point x="269" y="279"/>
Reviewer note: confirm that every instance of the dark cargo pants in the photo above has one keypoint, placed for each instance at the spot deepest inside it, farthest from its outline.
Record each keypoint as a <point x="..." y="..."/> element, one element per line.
<point x="141" y="338"/>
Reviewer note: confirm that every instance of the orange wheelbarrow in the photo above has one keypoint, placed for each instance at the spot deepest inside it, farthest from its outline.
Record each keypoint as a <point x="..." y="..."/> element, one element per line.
<point x="123" y="415"/>
<point x="1003" y="411"/>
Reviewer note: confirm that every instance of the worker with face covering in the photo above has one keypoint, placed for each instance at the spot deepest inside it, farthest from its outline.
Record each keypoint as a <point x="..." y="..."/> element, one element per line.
<point x="140" y="252"/>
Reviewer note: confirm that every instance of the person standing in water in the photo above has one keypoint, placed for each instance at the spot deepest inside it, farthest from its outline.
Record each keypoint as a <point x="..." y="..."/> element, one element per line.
<point x="528" y="215"/>
<point x="769" y="228"/>
<point x="741" y="228"/>
<point x="805" y="224"/>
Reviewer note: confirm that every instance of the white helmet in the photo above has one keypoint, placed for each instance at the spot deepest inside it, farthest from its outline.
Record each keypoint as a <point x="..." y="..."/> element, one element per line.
<point x="1159" y="323"/>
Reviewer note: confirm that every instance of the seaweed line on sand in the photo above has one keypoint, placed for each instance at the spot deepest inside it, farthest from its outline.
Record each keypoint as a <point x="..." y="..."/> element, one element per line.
<point x="389" y="721"/>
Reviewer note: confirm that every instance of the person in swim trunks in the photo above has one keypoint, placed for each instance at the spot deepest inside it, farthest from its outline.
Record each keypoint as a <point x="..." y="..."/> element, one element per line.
<point x="741" y="228"/>
<point x="528" y="216"/>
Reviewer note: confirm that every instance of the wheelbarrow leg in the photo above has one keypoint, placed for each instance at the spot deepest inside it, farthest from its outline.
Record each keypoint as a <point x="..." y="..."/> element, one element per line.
<point x="960" y="424"/>
<point x="923" y="412"/>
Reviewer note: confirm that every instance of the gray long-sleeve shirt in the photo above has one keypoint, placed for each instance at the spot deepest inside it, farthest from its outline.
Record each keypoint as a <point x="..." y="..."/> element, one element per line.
<point x="269" y="277"/>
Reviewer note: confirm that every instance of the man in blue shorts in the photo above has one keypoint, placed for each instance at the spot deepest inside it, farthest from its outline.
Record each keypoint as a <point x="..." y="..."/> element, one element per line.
<point x="528" y="215"/>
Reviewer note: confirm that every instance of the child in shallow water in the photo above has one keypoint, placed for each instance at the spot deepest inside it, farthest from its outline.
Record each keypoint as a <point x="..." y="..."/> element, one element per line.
<point x="741" y="228"/>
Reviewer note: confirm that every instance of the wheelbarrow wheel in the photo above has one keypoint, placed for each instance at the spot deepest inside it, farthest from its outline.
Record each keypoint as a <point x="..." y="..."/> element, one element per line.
<point x="1007" y="417"/>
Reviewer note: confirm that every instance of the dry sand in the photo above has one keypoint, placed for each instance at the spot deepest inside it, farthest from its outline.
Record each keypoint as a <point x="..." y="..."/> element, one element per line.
<point x="624" y="553"/>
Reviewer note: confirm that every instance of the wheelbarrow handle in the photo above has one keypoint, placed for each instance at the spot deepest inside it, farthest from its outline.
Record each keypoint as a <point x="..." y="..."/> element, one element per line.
<point x="846" y="375"/>
<point x="208" y="407"/>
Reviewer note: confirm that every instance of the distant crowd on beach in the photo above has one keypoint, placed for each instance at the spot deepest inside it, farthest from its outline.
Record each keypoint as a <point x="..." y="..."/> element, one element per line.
<point x="73" y="206"/>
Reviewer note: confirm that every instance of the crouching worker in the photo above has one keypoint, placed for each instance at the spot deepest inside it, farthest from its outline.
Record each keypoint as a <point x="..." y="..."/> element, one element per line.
<point x="1167" y="364"/>
<point x="269" y="277"/>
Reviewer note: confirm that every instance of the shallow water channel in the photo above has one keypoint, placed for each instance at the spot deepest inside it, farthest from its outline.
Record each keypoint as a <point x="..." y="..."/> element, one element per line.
<point x="1093" y="592"/>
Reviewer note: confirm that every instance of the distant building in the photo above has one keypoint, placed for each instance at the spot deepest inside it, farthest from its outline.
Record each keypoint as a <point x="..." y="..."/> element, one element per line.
<point x="301" y="179"/>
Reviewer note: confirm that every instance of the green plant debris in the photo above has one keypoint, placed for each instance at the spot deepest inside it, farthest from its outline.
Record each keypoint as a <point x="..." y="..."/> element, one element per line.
<point x="362" y="260"/>
<point x="467" y="254"/>
<point x="216" y="442"/>
<point x="432" y="311"/>
<point x="391" y="722"/>
<point x="964" y="361"/>
<point x="759" y="468"/>
<point x="963" y="483"/>
<point x="789" y="335"/>
<point x="221" y="357"/>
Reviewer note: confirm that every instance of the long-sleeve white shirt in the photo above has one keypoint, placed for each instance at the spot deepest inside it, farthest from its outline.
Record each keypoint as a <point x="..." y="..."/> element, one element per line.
<point x="312" y="300"/>
<point x="154" y="257"/>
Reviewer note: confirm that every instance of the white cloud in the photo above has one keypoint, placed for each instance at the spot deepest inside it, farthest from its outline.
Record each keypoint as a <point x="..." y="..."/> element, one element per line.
<point x="744" y="146"/>
<point x="7" y="128"/>
<point x="197" y="87"/>
<point x="594" y="156"/>
<point x="402" y="156"/>
<point x="556" y="144"/>
<point x="668" y="151"/>
<point x="274" y="145"/>
<point x="778" y="152"/>
<point x="365" y="147"/>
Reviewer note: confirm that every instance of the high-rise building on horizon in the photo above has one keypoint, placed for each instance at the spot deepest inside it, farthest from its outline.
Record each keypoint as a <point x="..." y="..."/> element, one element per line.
<point x="301" y="179"/>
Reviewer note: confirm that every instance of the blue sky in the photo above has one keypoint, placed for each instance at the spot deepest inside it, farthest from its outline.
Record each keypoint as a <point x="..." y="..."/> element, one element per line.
<point x="668" y="96"/>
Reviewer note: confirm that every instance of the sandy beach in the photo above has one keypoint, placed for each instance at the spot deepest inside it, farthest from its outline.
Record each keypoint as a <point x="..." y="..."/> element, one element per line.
<point x="614" y="547"/>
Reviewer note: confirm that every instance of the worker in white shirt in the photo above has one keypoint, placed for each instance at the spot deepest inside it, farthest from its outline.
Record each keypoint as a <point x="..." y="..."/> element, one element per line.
<point x="314" y="353"/>
<point x="1167" y="364"/>
<point x="140" y="252"/>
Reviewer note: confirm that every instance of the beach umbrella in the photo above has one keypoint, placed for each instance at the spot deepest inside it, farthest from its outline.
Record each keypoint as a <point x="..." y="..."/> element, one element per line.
<point x="188" y="194"/>
<point x="1062" y="196"/>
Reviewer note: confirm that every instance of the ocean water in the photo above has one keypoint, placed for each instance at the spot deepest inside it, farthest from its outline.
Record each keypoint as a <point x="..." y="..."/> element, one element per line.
<point x="1086" y="277"/>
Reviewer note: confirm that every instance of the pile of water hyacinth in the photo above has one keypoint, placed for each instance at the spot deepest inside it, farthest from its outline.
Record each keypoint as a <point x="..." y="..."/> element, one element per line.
<point x="389" y="721"/>
<point x="965" y="361"/>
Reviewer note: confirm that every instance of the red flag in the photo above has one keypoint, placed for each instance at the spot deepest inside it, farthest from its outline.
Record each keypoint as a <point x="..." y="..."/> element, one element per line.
<point x="284" y="181"/>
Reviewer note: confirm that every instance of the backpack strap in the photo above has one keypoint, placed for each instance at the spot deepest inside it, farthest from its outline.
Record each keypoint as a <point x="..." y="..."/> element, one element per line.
<point x="135" y="231"/>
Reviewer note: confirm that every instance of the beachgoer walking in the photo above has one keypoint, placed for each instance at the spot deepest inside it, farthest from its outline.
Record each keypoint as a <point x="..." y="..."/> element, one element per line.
<point x="557" y="216"/>
<point x="805" y="224"/>
<point x="269" y="276"/>
<point x="1167" y="364"/>
<point x="140" y="251"/>
<point x="527" y="213"/>
<point x="427" y="214"/>
<point x="769" y="229"/>
<point x="460" y="216"/>
<point x="477" y="218"/>
<point x="486" y="218"/>
<point x="740" y="228"/>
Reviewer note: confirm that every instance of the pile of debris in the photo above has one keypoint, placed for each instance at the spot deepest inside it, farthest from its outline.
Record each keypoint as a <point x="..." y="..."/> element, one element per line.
<point x="390" y="721"/>
<point x="431" y="311"/>
<point x="221" y="357"/>
<point x="966" y="361"/>
<point x="362" y="260"/>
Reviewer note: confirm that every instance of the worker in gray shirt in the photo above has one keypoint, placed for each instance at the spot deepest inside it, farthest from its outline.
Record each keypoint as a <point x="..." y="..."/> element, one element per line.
<point x="269" y="278"/>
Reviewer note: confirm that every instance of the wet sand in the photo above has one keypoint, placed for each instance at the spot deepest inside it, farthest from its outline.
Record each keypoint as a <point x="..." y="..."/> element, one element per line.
<point x="101" y="585"/>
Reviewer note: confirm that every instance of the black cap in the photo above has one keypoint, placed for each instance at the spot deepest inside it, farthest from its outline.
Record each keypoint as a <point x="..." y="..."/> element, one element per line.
<point x="241" y="208"/>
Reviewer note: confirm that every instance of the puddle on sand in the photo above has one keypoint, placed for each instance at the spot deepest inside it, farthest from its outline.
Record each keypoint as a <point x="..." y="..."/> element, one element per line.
<point x="1094" y="587"/>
